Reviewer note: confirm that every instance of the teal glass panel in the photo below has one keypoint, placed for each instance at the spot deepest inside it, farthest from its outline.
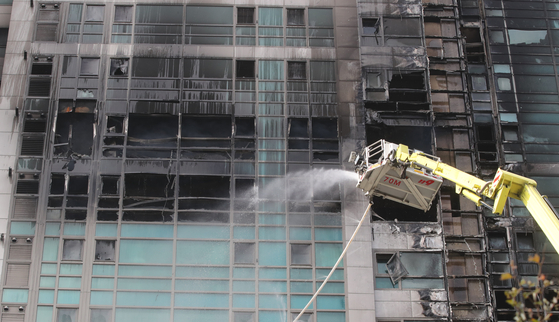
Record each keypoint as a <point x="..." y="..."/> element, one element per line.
<point x="146" y="251"/>
<point x="275" y="301"/>
<point x="271" y="169"/>
<point x="22" y="228"/>
<point x="272" y="254"/>
<point x="244" y="301"/>
<point x="46" y="297"/>
<point x="298" y="233"/>
<point x="301" y="287"/>
<point x="241" y="232"/>
<point x="104" y="270"/>
<point x="136" y="315"/>
<point x="301" y="273"/>
<point x="330" y="302"/>
<point x="203" y="252"/>
<point x="244" y="286"/>
<point x="272" y="206"/>
<point x="68" y="297"/>
<point x="271" y="156"/>
<point x="143" y="299"/>
<point x="271" y="219"/>
<point x="299" y="301"/>
<point x="147" y="231"/>
<point x="69" y="282"/>
<point x="48" y="268"/>
<point x="106" y="230"/>
<point x="203" y="272"/>
<point x="74" y="229"/>
<point x="101" y="298"/>
<point x="50" y="249"/>
<point x="202" y="300"/>
<point x="272" y="273"/>
<point x="270" y="127"/>
<point x="44" y="313"/>
<point x="337" y="276"/>
<point x="271" y="144"/>
<point x="150" y="284"/>
<point x="202" y="285"/>
<point x="203" y="232"/>
<point x="271" y="233"/>
<point x="330" y="317"/>
<point x="547" y="185"/>
<point x="52" y="229"/>
<point x="384" y="282"/>
<point x="270" y="69"/>
<point x="243" y="272"/>
<point x="328" y="254"/>
<point x="262" y="41"/>
<point x="152" y="271"/>
<point x="331" y="287"/>
<point x="271" y="316"/>
<point x="102" y="283"/>
<point x="71" y="269"/>
<point x="270" y="16"/>
<point x="423" y="283"/>
<point x="201" y="315"/>
<point x="47" y="281"/>
<point x="273" y="31"/>
<point x="272" y="287"/>
<point x="328" y="234"/>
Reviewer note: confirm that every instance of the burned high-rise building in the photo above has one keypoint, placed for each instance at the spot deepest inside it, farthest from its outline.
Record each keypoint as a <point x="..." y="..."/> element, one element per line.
<point x="184" y="161"/>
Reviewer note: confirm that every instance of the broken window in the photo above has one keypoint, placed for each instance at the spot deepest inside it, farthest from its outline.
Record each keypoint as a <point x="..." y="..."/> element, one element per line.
<point x="301" y="254"/>
<point x="295" y="17"/>
<point x="466" y="290"/>
<point x="110" y="185"/>
<point x="119" y="67"/>
<point x="390" y="31"/>
<point x="409" y="270"/>
<point x="371" y="26"/>
<point x="245" y="69"/>
<point x="74" y="134"/>
<point x="72" y="249"/>
<point x="474" y="47"/>
<point x="105" y="250"/>
<point x="245" y="15"/>
<point x="152" y="130"/>
<point x="244" y="253"/>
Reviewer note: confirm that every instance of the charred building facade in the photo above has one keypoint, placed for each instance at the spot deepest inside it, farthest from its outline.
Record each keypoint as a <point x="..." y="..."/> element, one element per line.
<point x="183" y="161"/>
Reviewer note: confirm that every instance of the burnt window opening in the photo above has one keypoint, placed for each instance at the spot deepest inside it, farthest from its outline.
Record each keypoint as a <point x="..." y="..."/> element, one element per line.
<point x="371" y="26"/>
<point x="149" y="185"/>
<point x="105" y="250"/>
<point x="406" y="90"/>
<point x="41" y="69"/>
<point x="57" y="182"/>
<point x="89" y="67"/>
<point x="296" y="70"/>
<point x="78" y="185"/>
<point x="206" y="127"/>
<point x="474" y="46"/>
<point x="206" y="217"/>
<point x="298" y="128"/>
<point x="204" y="186"/>
<point x="245" y="69"/>
<point x="107" y="215"/>
<point x="115" y="124"/>
<point x="74" y="134"/>
<point x="148" y="216"/>
<point x="409" y="270"/>
<point x="110" y="185"/>
<point x="152" y="130"/>
<point x="487" y="149"/>
<point x="295" y="17"/>
<point x="245" y="16"/>
<point x="244" y="126"/>
<point x="119" y="66"/>
<point x="75" y="214"/>
<point x="244" y="188"/>
<point x="324" y="128"/>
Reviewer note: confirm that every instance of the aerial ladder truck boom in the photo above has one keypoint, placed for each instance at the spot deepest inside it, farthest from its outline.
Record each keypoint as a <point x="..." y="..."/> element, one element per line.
<point x="411" y="177"/>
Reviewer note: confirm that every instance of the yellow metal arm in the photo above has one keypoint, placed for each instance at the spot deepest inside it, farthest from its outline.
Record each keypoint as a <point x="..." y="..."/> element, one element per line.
<point x="505" y="184"/>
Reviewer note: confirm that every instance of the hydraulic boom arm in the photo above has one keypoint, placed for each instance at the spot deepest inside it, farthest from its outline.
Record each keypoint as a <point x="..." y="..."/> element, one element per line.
<point x="380" y="178"/>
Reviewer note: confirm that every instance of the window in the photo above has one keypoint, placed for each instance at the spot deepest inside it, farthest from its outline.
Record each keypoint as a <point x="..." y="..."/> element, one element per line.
<point x="122" y="27"/>
<point x="371" y="26"/>
<point x="295" y="17"/>
<point x="245" y="16"/>
<point x="89" y="66"/>
<point x="47" y="22"/>
<point x="86" y="28"/>
<point x="72" y="249"/>
<point x="301" y="254"/>
<point x="410" y="270"/>
<point x="296" y="70"/>
<point x="245" y="69"/>
<point x="244" y="253"/>
<point x="209" y="25"/>
<point x="105" y="250"/>
<point x="389" y="31"/>
<point x="119" y="66"/>
<point x="67" y="315"/>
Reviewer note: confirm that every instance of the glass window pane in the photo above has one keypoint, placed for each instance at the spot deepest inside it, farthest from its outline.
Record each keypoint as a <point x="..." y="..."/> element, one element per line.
<point x="141" y="314"/>
<point x="90" y="66"/>
<point x="203" y="252"/>
<point x="68" y="297"/>
<point x="202" y="300"/>
<point x="72" y="249"/>
<point x="71" y="269"/>
<point x="45" y="314"/>
<point x="136" y="270"/>
<point x="144" y="284"/>
<point x="147" y="231"/>
<point x="123" y="14"/>
<point x="105" y="250"/>
<point x="143" y="299"/>
<point x="330" y="302"/>
<point x="22" y="228"/>
<point x="320" y="18"/>
<point x="146" y="251"/>
<point x="14" y="295"/>
<point x="201" y="315"/>
<point x="69" y="282"/>
<point x="209" y="15"/>
<point x="158" y="14"/>
<point x="272" y="254"/>
<point x="326" y="255"/>
<point x="203" y="232"/>
<point x="101" y="298"/>
<point x="94" y="13"/>
<point x="67" y="315"/>
<point x="270" y="16"/>
<point x="301" y="254"/>
<point x="46" y="297"/>
<point x="422" y="264"/>
<point x="101" y="315"/>
<point x="295" y="17"/>
<point x="75" y="13"/>
<point x="244" y="253"/>
<point x="102" y="283"/>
